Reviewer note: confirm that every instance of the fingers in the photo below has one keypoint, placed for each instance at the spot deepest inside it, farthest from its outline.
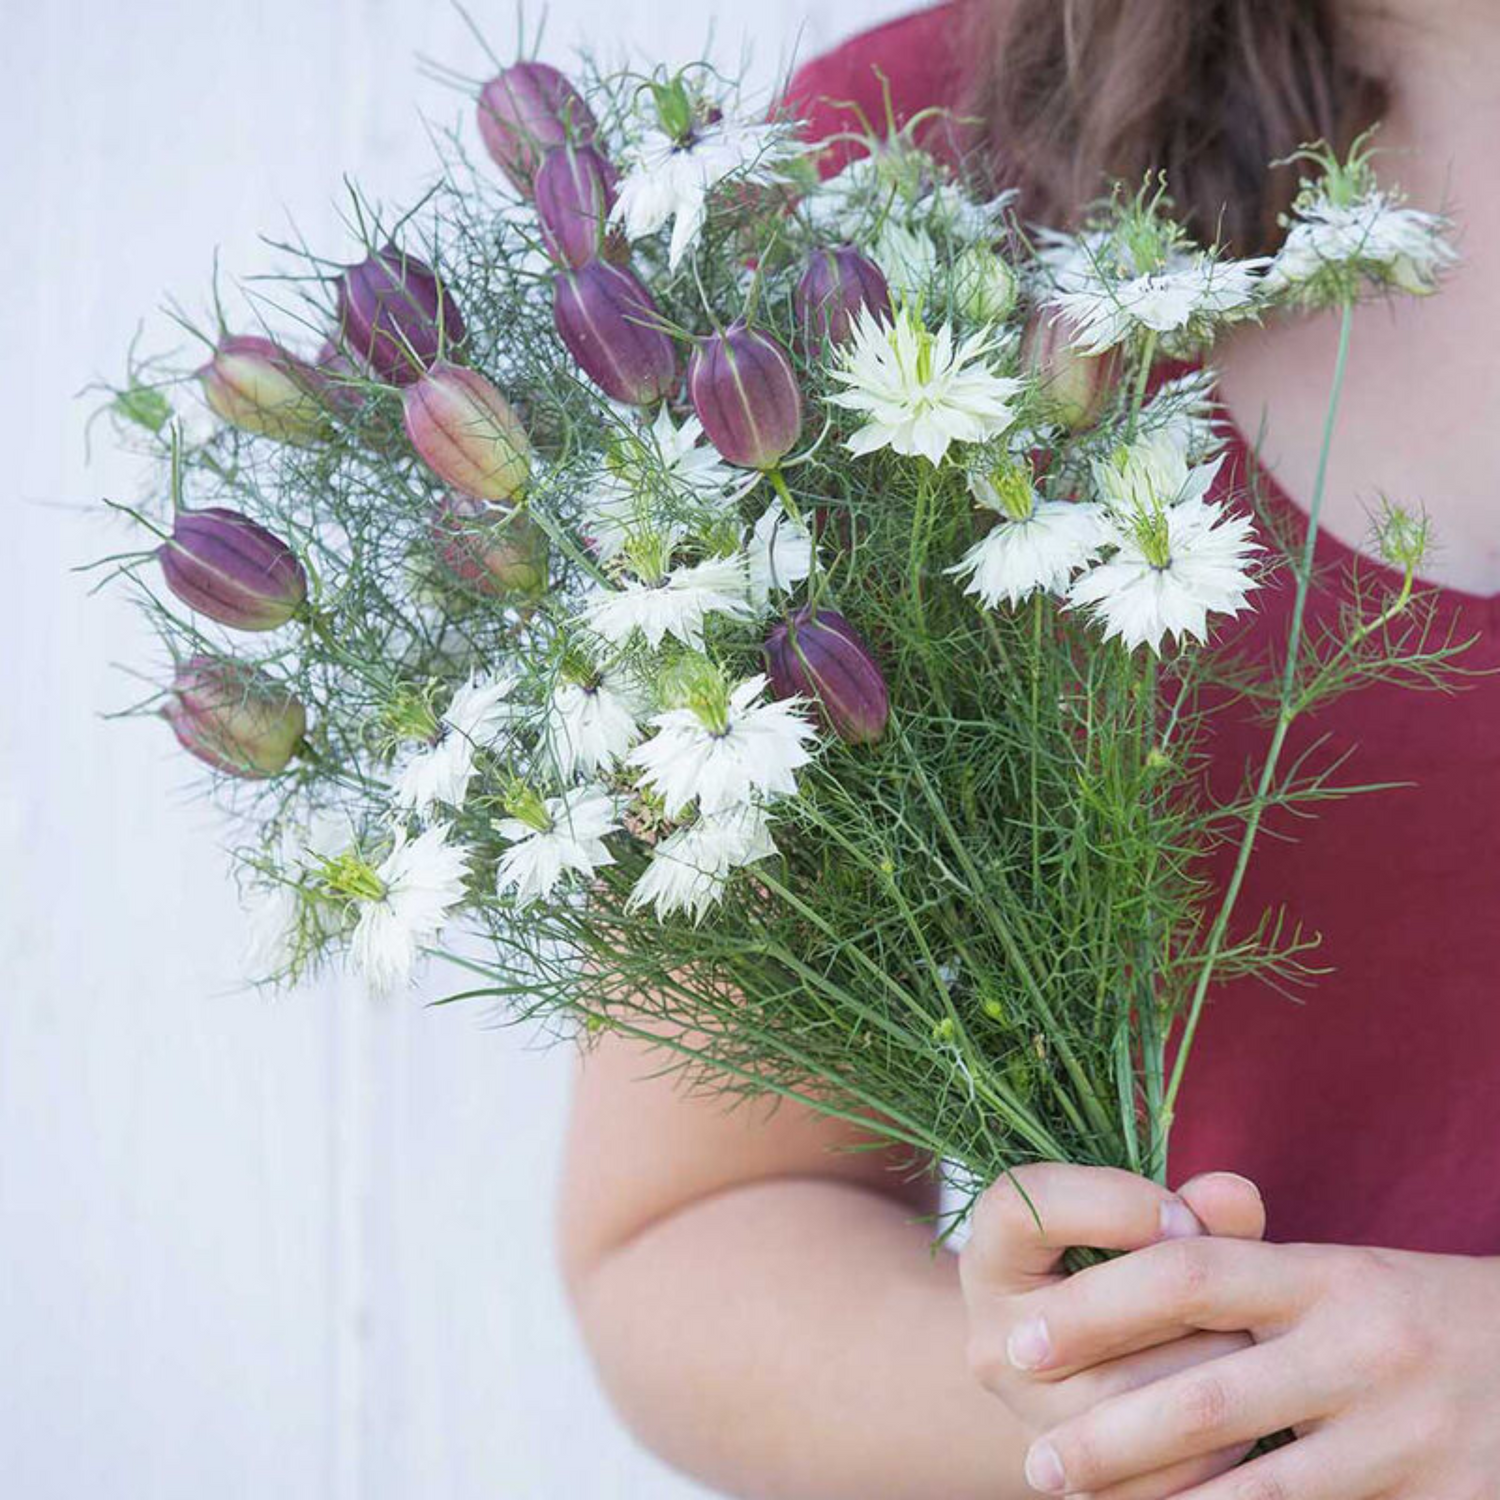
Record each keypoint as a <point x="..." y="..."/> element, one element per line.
<point x="1026" y="1220"/>
<point x="1171" y="1483"/>
<point x="1158" y="1294"/>
<point x="1199" y="1412"/>
<point x="1226" y="1204"/>
<point x="1319" y="1467"/>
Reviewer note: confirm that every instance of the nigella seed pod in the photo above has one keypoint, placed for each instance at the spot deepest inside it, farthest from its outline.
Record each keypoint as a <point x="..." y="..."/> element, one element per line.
<point x="527" y="110"/>
<point x="227" y="567"/>
<point x="746" y="395"/>
<point x="492" y="549"/>
<point x="395" y="316"/>
<point x="256" y="385"/>
<point x="833" y="288"/>
<point x="820" y="656"/>
<point x="466" y="433"/>
<point x="574" y="190"/>
<point x="1074" y="387"/>
<point x="614" y="331"/>
<point x="234" y="717"/>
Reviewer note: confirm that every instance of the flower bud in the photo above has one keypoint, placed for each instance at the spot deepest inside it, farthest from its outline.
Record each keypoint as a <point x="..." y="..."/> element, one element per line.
<point x="984" y="286"/>
<point x="466" y="433"/>
<point x="527" y="110"/>
<point x="395" y="316"/>
<point x="1074" y="387"/>
<point x="614" y="330"/>
<point x="820" y="656"/>
<point x="256" y="385"/>
<point x="492" y="549"/>
<point x="574" y="190"/>
<point x="833" y="288"/>
<point x="225" y="566"/>
<point x="746" y="395"/>
<point x="234" y="717"/>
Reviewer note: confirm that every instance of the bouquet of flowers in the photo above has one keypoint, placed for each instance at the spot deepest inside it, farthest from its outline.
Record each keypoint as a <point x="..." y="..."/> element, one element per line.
<point x="773" y="616"/>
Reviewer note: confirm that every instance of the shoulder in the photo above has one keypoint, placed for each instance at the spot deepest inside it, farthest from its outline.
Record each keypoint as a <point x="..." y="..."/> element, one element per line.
<point x="920" y="61"/>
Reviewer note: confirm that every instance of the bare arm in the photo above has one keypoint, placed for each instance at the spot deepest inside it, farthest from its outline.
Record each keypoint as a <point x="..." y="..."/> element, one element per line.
<point x="764" y="1311"/>
<point x="768" y="1314"/>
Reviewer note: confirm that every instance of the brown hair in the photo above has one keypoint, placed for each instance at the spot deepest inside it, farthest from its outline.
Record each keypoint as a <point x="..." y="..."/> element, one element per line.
<point x="1079" y="93"/>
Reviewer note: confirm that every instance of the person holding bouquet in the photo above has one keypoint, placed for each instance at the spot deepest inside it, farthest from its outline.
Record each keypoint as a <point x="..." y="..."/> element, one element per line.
<point x="763" y="1302"/>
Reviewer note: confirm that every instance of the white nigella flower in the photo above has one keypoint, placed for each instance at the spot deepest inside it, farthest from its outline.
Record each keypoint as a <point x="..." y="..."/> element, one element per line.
<point x="286" y="927"/>
<point x="908" y="257"/>
<point x="1182" y="299"/>
<point x="670" y="177"/>
<point x="1067" y="262"/>
<point x="690" y="868"/>
<point x="403" y="902"/>
<point x="1373" y="238"/>
<point x="672" y="603"/>
<point x="1170" y="569"/>
<point x="1036" y="545"/>
<point x="725" y="748"/>
<point x="592" y="723"/>
<point x="780" y="554"/>
<point x="918" y="392"/>
<point x="966" y="217"/>
<point x="837" y="207"/>
<point x="1183" y="410"/>
<point x="1151" y="474"/>
<point x="665" y="475"/>
<point x="554" y="837"/>
<point x="441" y="772"/>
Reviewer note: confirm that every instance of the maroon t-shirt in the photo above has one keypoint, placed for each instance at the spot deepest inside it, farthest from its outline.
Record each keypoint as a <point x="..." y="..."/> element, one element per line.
<point x="1366" y="1105"/>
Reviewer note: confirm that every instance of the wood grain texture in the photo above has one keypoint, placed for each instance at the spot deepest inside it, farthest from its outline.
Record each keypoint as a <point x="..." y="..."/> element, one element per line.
<point x="295" y="1247"/>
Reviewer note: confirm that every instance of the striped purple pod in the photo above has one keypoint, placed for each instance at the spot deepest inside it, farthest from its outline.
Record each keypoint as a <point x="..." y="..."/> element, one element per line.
<point x="228" y="567"/>
<point x="234" y="717"/>
<point x="820" y="656"/>
<point x="526" y="110"/>
<point x="614" y="330"/>
<point x="574" y="190"/>
<point x="395" y="316"/>
<point x="745" y="393"/>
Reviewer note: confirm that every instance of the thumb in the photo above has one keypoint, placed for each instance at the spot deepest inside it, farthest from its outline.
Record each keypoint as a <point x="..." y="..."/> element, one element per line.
<point x="1226" y="1204"/>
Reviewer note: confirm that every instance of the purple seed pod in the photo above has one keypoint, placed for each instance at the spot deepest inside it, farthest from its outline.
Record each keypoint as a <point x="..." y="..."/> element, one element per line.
<point x="1074" y="387"/>
<point x="256" y="385"/>
<point x="492" y="549"/>
<point x="225" y="566"/>
<point x="528" y="109"/>
<point x="395" y="317"/>
<point x="833" y="288"/>
<point x="574" y="190"/>
<point x="746" y="395"/>
<point x="234" y="717"/>
<point x="614" y="331"/>
<point x="466" y="433"/>
<point x="823" y="658"/>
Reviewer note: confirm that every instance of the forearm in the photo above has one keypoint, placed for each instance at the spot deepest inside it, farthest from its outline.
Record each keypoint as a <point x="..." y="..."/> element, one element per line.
<point x="797" y="1338"/>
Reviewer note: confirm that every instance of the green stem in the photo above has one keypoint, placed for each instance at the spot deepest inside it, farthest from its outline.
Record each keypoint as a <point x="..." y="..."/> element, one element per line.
<point x="1290" y="706"/>
<point x="783" y="491"/>
<point x="1036" y="714"/>
<point x="1142" y="377"/>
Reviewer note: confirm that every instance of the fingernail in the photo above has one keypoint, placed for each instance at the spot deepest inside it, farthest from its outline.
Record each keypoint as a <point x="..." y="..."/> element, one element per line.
<point x="1044" y="1470"/>
<point x="1029" y="1345"/>
<point x="1254" y="1188"/>
<point x="1178" y="1221"/>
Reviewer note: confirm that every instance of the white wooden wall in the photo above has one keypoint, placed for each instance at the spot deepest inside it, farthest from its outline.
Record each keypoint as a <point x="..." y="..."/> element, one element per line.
<point x="300" y="1247"/>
